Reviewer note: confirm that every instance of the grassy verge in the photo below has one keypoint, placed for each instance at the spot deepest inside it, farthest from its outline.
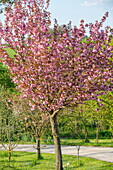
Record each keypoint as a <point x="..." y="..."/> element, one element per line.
<point x="27" y="161"/>
<point x="74" y="142"/>
<point x="101" y="142"/>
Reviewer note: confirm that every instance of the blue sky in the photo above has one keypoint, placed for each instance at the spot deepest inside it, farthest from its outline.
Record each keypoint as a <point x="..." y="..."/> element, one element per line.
<point x="75" y="10"/>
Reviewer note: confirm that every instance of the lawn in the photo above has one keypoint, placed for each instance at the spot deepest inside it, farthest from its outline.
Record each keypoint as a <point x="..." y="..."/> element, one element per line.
<point x="27" y="161"/>
<point x="74" y="142"/>
<point x="101" y="142"/>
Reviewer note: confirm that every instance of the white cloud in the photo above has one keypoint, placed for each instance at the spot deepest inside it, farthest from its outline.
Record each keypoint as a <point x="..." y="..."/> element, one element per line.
<point x="94" y="2"/>
<point x="89" y="3"/>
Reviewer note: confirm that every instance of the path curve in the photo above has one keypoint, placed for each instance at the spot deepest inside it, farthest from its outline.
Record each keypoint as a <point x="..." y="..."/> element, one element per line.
<point x="100" y="153"/>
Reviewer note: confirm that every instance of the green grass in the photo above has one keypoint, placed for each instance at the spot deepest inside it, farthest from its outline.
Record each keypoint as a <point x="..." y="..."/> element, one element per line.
<point x="101" y="142"/>
<point x="27" y="161"/>
<point x="74" y="142"/>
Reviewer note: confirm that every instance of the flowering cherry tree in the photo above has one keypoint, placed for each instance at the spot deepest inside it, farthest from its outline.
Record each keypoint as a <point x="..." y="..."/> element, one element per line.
<point x="59" y="70"/>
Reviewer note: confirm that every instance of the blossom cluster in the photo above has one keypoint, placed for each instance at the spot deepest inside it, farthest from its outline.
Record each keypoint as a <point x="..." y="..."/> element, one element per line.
<point x="58" y="69"/>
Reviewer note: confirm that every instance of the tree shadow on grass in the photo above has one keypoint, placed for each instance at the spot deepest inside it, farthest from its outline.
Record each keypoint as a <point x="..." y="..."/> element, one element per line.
<point x="15" y="154"/>
<point x="15" y="161"/>
<point x="104" y="167"/>
<point x="7" y="167"/>
<point x="23" y="154"/>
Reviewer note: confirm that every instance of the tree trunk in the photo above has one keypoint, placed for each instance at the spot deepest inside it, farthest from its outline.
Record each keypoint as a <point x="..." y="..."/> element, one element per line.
<point x="86" y="132"/>
<point x="97" y="135"/>
<point x="76" y="125"/>
<point x="58" y="154"/>
<point x="91" y="125"/>
<point x="9" y="151"/>
<point x="86" y="135"/>
<point x="38" y="147"/>
<point x="9" y="155"/>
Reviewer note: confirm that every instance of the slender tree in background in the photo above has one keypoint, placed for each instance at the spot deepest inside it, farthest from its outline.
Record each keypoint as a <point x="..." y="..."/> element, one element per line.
<point x="33" y="121"/>
<point x="105" y="111"/>
<point x="59" y="70"/>
<point x="10" y="128"/>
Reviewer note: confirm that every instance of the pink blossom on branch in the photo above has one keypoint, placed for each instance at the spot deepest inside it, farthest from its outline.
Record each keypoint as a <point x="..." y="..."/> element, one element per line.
<point x="55" y="70"/>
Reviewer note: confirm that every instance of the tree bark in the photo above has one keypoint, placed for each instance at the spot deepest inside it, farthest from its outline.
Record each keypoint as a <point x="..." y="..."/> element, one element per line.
<point x="9" y="155"/>
<point x="85" y="130"/>
<point x="38" y="147"/>
<point x="9" y="151"/>
<point x="76" y="125"/>
<point x="97" y="135"/>
<point x="55" y="132"/>
<point x="86" y="135"/>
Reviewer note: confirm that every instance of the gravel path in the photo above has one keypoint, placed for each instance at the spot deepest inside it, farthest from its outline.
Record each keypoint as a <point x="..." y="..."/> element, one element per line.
<point x="101" y="153"/>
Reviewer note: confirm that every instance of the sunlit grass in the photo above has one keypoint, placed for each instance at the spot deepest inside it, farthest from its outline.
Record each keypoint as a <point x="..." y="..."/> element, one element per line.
<point x="101" y="142"/>
<point x="27" y="161"/>
<point x="74" y="142"/>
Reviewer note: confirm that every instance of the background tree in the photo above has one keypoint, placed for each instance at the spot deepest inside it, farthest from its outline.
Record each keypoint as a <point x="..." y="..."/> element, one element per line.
<point x="33" y="121"/>
<point x="56" y="71"/>
<point x="5" y="80"/>
<point x="69" y="124"/>
<point x="10" y="128"/>
<point x="106" y="109"/>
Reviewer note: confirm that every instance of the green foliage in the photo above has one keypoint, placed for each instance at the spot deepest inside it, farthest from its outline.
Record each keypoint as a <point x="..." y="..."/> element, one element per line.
<point x="26" y="137"/>
<point x="75" y="121"/>
<point x="5" y="79"/>
<point x="111" y="42"/>
<point x="10" y="52"/>
<point x="105" y="134"/>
